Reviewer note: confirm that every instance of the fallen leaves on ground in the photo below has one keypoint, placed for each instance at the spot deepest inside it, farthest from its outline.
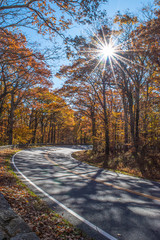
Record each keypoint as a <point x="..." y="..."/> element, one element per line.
<point x="43" y="221"/>
<point x="147" y="166"/>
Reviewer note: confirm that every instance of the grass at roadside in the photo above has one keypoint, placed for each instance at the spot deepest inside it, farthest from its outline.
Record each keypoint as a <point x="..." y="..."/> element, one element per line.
<point x="47" y="224"/>
<point x="145" y="166"/>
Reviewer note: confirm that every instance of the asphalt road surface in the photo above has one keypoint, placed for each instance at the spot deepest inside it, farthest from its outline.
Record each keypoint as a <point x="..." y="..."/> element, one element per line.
<point x="105" y="204"/>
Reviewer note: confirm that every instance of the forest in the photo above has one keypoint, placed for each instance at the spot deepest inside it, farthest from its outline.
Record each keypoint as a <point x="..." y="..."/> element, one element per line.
<point x="111" y="102"/>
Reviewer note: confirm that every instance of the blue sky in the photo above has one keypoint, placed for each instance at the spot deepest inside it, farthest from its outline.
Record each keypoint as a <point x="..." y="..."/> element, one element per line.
<point x="114" y="5"/>
<point x="111" y="7"/>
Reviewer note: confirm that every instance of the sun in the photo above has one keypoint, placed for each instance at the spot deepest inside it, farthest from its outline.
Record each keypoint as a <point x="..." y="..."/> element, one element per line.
<point x="107" y="51"/>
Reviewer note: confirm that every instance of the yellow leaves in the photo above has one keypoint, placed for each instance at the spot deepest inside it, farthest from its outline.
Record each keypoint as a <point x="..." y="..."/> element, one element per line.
<point x="22" y="134"/>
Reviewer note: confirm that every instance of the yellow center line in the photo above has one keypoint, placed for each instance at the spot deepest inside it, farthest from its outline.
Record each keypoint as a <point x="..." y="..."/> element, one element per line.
<point x="104" y="183"/>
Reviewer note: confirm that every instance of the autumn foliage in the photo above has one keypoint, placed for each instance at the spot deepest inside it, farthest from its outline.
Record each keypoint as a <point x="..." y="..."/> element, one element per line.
<point x="115" y="108"/>
<point x="30" y="111"/>
<point x="121" y="100"/>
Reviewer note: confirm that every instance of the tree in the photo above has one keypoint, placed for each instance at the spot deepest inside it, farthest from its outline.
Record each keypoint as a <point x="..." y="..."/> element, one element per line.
<point x="96" y="83"/>
<point x="45" y="15"/>
<point x="118" y="85"/>
<point x="21" y="69"/>
<point x="82" y="99"/>
<point x="146" y="36"/>
<point x="141" y="47"/>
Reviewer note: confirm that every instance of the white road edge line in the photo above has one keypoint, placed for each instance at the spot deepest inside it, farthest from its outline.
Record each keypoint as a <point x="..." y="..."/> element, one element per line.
<point x="97" y="229"/>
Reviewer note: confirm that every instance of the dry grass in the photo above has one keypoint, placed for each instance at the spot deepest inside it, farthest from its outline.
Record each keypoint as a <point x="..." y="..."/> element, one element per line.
<point x="147" y="166"/>
<point x="43" y="221"/>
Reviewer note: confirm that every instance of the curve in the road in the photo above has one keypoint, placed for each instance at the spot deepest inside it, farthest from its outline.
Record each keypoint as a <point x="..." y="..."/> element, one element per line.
<point x="105" y="183"/>
<point x="99" y="230"/>
<point x="89" y="196"/>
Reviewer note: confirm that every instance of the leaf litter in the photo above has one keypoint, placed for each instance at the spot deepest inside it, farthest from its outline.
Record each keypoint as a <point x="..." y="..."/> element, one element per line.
<point x="47" y="224"/>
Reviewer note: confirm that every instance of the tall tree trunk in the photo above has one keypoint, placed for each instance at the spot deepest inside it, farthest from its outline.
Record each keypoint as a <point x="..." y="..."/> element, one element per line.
<point x="107" y="146"/>
<point x="84" y="138"/>
<point x="115" y="136"/>
<point x="137" y="120"/>
<point x="35" y="128"/>
<point x="54" y="135"/>
<point x="49" y="131"/>
<point x="81" y="139"/>
<point x="1" y="107"/>
<point x="11" y="120"/>
<point x="31" y="119"/>
<point x="93" y="130"/>
<point x="145" y="127"/>
<point x="106" y="127"/>
<point x="132" y="118"/>
<point x="42" y="129"/>
<point x="125" y="108"/>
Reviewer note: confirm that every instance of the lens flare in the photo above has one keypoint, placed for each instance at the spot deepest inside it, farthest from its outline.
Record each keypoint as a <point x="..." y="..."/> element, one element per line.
<point x="107" y="51"/>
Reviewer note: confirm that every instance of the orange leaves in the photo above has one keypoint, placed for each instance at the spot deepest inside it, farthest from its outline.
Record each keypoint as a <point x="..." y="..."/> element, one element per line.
<point x="125" y="19"/>
<point x="23" y="11"/>
<point x="23" y="70"/>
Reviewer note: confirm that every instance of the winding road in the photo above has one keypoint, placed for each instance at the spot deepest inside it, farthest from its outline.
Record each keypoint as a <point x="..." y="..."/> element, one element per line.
<point x="104" y="204"/>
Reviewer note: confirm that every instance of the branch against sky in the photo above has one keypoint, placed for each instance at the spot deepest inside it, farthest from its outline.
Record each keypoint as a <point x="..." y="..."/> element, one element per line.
<point x="47" y="15"/>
